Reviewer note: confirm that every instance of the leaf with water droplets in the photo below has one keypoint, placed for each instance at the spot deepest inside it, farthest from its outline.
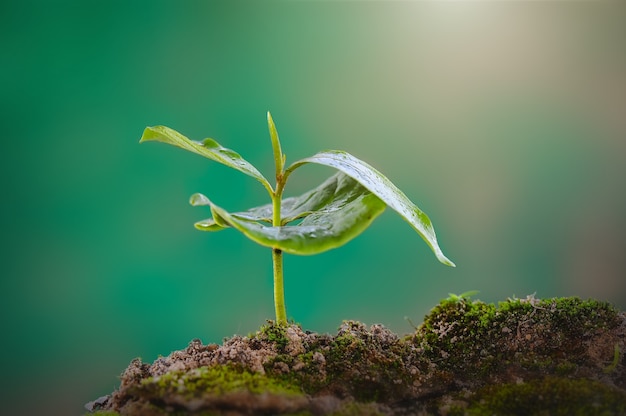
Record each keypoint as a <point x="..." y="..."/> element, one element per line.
<point x="383" y="188"/>
<point x="332" y="214"/>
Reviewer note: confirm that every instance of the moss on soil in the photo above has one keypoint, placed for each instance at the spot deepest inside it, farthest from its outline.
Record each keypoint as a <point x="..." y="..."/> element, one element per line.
<point x="551" y="395"/>
<point x="522" y="356"/>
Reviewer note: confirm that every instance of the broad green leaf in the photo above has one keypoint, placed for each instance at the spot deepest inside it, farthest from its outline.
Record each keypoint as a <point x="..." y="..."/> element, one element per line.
<point x="337" y="186"/>
<point x="333" y="214"/>
<point x="208" y="148"/>
<point x="383" y="188"/>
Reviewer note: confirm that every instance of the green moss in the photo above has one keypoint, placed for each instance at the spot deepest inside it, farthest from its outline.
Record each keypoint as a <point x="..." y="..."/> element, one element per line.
<point x="522" y="356"/>
<point x="216" y="380"/>
<point x="549" y="396"/>
<point x="564" y="368"/>
<point x="452" y="335"/>
<point x="348" y="347"/>
<point x="358" y="409"/>
<point x="275" y="334"/>
<point x="368" y="364"/>
<point x="474" y="338"/>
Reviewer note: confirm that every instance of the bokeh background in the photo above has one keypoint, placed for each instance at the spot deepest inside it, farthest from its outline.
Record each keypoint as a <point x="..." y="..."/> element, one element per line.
<point x="505" y="122"/>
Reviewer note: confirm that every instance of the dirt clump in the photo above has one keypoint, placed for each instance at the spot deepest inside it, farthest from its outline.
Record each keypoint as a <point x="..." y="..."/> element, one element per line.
<point x="467" y="357"/>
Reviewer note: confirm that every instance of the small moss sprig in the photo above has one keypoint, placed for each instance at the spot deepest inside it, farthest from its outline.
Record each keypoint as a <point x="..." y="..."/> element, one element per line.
<point x="329" y="216"/>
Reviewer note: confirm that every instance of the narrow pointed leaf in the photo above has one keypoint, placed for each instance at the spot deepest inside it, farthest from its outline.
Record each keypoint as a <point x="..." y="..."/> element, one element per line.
<point x="346" y="210"/>
<point x="279" y="157"/>
<point x="383" y="188"/>
<point x="208" y="148"/>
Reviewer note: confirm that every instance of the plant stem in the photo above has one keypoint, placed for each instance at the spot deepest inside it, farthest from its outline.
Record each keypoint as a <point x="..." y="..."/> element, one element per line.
<point x="277" y="260"/>
<point x="277" y="196"/>
<point x="279" y="291"/>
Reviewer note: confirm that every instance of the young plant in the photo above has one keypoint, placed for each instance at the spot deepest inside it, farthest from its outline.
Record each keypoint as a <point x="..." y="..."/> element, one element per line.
<point x="329" y="216"/>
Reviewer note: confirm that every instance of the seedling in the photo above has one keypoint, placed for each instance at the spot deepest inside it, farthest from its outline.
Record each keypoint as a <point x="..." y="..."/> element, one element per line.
<point x="323" y="218"/>
<point x="453" y="297"/>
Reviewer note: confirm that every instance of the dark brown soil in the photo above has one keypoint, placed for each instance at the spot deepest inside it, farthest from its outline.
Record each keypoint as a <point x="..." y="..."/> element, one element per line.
<point x="524" y="356"/>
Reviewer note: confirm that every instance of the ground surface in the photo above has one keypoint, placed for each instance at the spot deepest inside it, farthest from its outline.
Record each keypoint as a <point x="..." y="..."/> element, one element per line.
<point x="521" y="357"/>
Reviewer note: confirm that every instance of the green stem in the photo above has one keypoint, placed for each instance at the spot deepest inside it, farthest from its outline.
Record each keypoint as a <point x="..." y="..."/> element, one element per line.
<point x="277" y="258"/>
<point x="279" y="290"/>
<point x="277" y="196"/>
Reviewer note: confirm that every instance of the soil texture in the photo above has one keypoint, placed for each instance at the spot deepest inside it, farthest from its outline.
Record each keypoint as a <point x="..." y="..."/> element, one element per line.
<point x="561" y="356"/>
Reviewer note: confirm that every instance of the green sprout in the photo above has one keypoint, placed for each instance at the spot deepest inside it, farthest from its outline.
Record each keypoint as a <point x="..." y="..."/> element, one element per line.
<point x="453" y="297"/>
<point x="326" y="217"/>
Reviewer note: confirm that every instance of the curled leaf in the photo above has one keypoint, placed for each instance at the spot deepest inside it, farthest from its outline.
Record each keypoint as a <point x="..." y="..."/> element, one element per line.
<point x="333" y="214"/>
<point x="383" y="188"/>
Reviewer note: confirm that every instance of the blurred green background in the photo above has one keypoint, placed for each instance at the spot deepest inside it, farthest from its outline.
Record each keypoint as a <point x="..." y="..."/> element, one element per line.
<point x="505" y="122"/>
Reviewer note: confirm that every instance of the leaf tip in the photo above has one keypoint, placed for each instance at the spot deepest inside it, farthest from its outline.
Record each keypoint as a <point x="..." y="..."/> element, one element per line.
<point x="198" y="199"/>
<point x="207" y="225"/>
<point x="154" y="133"/>
<point x="147" y="135"/>
<point x="441" y="257"/>
<point x="444" y="260"/>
